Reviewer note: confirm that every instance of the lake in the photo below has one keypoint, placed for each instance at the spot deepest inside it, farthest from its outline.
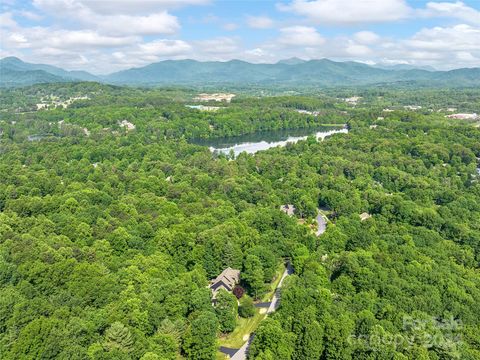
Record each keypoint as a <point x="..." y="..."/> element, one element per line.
<point x="251" y="143"/>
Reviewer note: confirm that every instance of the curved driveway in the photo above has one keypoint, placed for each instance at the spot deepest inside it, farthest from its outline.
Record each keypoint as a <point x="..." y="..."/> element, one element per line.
<point x="241" y="354"/>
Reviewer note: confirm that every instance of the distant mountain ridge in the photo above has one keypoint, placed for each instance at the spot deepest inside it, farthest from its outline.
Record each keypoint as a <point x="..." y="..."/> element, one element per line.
<point x="403" y="67"/>
<point x="293" y="72"/>
<point x="13" y="71"/>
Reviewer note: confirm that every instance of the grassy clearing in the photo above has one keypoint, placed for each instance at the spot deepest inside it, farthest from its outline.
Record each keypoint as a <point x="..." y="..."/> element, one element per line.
<point x="220" y="356"/>
<point x="244" y="327"/>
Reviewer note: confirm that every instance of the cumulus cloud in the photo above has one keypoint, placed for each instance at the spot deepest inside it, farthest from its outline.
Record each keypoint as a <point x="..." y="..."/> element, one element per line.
<point x="446" y="39"/>
<point x="366" y="37"/>
<point x="17" y="40"/>
<point x="84" y="39"/>
<point x="441" y="47"/>
<point x="357" y="50"/>
<point x="137" y="6"/>
<point x="259" y="22"/>
<point x="117" y="7"/>
<point x="165" y="48"/>
<point x="347" y="12"/>
<point x="160" y="22"/>
<point x="300" y="36"/>
<point x="456" y="10"/>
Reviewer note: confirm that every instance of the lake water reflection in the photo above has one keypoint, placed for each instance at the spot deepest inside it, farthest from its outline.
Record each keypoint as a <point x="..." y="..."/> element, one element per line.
<point x="251" y="143"/>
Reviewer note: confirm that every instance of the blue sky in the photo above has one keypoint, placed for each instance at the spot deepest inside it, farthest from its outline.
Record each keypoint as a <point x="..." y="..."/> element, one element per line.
<point x="105" y="36"/>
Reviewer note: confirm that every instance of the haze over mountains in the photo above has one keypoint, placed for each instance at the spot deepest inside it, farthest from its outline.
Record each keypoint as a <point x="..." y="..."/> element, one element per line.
<point x="292" y="72"/>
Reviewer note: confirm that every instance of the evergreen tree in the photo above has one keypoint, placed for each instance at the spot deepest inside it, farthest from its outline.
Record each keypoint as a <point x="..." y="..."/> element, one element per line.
<point x="118" y="336"/>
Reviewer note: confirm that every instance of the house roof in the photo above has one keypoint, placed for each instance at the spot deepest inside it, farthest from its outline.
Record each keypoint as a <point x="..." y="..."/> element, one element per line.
<point x="365" y="216"/>
<point x="229" y="277"/>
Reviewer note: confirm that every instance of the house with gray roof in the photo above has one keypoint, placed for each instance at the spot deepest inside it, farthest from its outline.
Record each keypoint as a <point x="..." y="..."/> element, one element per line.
<point x="226" y="280"/>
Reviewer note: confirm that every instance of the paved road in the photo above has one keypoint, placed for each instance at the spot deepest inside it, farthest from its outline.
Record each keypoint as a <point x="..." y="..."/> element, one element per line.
<point x="276" y="296"/>
<point x="241" y="354"/>
<point x="322" y="224"/>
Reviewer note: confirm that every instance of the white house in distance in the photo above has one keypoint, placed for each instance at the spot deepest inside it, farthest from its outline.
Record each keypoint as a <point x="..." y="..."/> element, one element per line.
<point x="215" y="97"/>
<point x="365" y="216"/>
<point x="473" y="116"/>
<point x="288" y="209"/>
<point x="226" y="280"/>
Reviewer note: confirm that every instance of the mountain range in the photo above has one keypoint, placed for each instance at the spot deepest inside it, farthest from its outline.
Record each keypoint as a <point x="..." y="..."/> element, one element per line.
<point x="292" y="72"/>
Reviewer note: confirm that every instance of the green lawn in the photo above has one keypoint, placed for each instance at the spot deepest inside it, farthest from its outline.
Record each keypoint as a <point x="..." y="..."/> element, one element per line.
<point x="221" y="356"/>
<point x="244" y="327"/>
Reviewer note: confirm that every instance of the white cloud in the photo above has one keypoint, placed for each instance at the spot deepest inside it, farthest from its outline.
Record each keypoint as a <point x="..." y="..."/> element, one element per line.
<point x="457" y="10"/>
<point x="160" y="22"/>
<point x="357" y="50"/>
<point x="366" y="37"/>
<point x="78" y="39"/>
<point x="117" y="7"/>
<point x="441" y="47"/>
<point x="259" y="22"/>
<point x="18" y="40"/>
<point x="137" y="6"/>
<point x="165" y="48"/>
<point x="465" y="56"/>
<point x="346" y="12"/>
<point x="257" y="52"/>
<point x="300" y="36"/>
<point x="447" y="39"/>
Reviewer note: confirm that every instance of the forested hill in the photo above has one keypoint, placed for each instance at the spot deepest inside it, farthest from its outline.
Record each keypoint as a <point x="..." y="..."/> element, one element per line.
<point x="291" y="73"/>
<point x="109" y="234"/>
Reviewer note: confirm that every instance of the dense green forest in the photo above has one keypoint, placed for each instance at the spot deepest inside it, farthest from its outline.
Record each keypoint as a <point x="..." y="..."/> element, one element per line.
<point x="109" y="235"/>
